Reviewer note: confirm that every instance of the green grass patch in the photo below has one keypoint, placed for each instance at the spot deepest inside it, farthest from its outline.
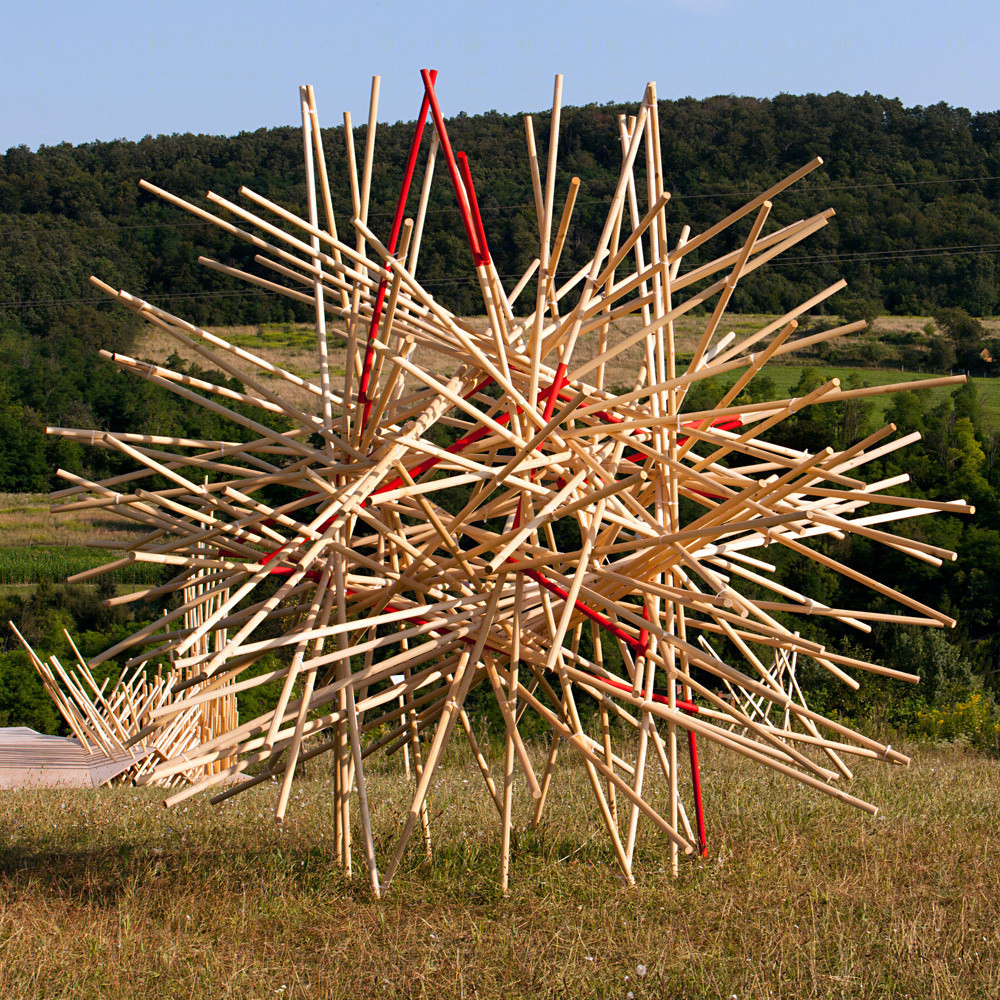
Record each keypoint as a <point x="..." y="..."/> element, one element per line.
<point x="988" y="389"/>
<point x="279" y="337"/>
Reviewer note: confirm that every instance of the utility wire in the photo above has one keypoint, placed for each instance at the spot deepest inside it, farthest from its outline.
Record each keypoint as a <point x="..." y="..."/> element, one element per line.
<point x="873" y="256"/>
<point x="503" y="207"/>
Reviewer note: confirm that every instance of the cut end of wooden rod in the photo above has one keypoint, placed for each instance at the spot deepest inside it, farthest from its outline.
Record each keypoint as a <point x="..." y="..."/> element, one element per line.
<point x="103" y="286"/>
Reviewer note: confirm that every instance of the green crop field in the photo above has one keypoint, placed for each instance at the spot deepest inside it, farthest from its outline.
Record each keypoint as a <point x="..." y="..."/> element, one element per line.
<point x="28" y="564"/>
<point x="38" y="546"/>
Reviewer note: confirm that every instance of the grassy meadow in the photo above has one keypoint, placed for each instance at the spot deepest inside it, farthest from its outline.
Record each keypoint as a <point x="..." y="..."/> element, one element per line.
<point x="889" y="352"/>
<point x="104" y="894"/>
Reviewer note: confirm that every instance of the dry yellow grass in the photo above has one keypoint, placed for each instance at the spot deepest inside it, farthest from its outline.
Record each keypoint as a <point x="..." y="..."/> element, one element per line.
<point x="291" y="347"/>
<point x="105" y="895"/>
<point x="25" y="519"/>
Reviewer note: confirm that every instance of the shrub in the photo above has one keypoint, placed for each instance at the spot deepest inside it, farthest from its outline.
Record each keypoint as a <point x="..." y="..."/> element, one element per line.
<point x="974" y="721"/>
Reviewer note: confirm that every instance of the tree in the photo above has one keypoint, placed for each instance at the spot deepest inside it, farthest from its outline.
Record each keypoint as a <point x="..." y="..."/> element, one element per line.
<point x="23" y="698"/>
<point x="941" y="356"/>
<point x="966" y="334"/>
<point x="860" y="307"/>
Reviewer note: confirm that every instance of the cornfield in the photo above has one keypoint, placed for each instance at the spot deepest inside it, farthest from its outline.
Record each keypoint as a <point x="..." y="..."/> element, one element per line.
<point x="31" y="564"/>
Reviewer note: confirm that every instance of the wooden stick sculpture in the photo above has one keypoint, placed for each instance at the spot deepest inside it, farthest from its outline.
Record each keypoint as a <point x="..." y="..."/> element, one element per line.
<point x="596" y="526"/>
<point x="106" y="722"/>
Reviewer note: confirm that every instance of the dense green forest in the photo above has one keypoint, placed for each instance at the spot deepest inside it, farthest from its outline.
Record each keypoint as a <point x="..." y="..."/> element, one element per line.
<point x="915" y="190"/>
<point x="917" y="232"/>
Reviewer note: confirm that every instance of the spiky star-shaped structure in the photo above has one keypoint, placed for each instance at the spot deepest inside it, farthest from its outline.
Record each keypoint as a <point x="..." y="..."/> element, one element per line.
<point x="595" y="526"/>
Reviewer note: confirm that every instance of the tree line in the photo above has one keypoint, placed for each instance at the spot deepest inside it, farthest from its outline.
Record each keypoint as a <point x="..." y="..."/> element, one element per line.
<point x="915" y="191"/>
<point x="899" y="179"/>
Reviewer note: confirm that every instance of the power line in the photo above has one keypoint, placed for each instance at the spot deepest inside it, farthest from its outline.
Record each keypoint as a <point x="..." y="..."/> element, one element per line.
<point x="877" y="184"/>
<point x="102" y="298"/>
<point x="510" y="206"/>
<point x="887" y="256"/>
<point x="876" y="256"/>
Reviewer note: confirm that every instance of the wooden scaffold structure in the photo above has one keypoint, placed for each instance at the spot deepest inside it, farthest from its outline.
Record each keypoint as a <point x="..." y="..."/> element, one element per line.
<point x="330" y="547"/>
<point x="106" y="722"/>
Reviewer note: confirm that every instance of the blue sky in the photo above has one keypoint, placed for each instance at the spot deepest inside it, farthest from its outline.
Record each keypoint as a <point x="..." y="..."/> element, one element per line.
<point x="74" y="71"/>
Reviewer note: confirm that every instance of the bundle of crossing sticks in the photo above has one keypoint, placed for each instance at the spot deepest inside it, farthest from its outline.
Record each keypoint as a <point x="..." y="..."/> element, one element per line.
<point x="106" y="721"/>
<point x="513" y="522"/>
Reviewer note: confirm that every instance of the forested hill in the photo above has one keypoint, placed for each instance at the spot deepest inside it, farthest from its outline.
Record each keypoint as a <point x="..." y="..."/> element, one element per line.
<point x="917" y="231"/>
<point x="916" y="190"/>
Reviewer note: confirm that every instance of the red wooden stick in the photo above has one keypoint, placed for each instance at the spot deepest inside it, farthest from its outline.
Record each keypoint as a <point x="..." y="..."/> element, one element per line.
<point x="397" y="223"/>
<point x="696" y="783"/>
<point x="463" y="205"/>
<point x="484" y="250"/>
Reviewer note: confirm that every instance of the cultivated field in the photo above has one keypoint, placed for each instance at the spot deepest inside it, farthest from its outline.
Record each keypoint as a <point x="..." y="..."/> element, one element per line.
<point x="106" y="895"/>
<point x="885" y="354"/>
<point x="37" y="545"/>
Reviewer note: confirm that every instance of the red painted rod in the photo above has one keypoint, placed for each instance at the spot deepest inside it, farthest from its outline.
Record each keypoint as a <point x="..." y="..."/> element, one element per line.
<point x="463" y="205"/>
<point x="687" y="706"/>
<point x="397" y="224"/>
<point x="477" y="219"/>
<point x="696" y="783"/>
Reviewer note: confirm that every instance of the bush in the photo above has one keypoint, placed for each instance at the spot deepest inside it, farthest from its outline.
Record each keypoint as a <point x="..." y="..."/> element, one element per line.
<point x="974" y="721"/>
<point x="960" y="326"/>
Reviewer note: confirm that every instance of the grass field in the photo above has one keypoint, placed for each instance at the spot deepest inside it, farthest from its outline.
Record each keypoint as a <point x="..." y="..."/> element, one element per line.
<point x="25" y="519"/>
<point x="104" y="894"/>
<point x="37" y="545"/>
<point x="988" y="389"/>
<point x="292" y="346"/>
